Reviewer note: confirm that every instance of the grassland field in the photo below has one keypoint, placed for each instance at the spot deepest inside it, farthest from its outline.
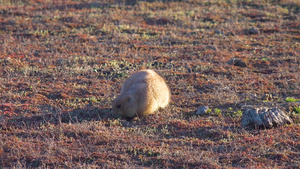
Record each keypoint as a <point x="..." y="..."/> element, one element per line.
<point x="62" y="63"/>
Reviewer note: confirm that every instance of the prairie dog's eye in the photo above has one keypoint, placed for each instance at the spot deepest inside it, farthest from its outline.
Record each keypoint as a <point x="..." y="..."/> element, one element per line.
<point x="118" y="106"/>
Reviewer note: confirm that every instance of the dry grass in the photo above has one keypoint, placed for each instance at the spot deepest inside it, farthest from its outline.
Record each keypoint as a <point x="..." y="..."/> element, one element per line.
<point x="63" y="62"/>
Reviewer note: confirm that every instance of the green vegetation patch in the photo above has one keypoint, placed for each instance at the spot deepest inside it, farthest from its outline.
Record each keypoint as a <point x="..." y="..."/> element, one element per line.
<point x="291" y="99"/>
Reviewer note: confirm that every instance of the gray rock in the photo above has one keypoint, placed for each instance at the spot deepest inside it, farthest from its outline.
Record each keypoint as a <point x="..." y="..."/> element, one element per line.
<point x="237" y="62"/>
<point x="252" y="31"/>
<point x="218" y="32"/>
<point x="202" y="110"/>
<point x="264" y="117"/>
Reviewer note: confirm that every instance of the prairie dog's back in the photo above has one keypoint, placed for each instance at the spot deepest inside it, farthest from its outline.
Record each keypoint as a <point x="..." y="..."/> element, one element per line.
<point x="139" y="77"/>
<point x="156" y="85"/>
<point x="147" y="89"/>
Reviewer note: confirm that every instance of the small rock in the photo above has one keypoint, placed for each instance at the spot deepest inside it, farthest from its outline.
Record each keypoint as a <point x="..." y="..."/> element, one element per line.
<point x="130" y="2"/>
<point x="11" y="22"/>
<point x="264" y="117"/>
<point x="202" y="110"/>
<point x="237" y="62"/>
<point x="220" y="148"/>
<point x="230" y="34"/>
<point x="218" y="32"/>
<point x="196" y="42"/>
<point x="36" y="53"/>
<point x="211" y="48"/>
<point x="252" y="31"/>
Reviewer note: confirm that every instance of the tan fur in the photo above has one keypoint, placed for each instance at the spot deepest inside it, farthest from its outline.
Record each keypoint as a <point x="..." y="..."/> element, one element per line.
<point x="143" y="93"/>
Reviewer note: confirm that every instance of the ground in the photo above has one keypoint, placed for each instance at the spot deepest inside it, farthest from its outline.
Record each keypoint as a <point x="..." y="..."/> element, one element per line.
<point x="63" y="62"/>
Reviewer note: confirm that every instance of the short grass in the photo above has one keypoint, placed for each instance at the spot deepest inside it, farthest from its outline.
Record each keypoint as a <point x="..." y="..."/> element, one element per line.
<point x="63" y="62"/>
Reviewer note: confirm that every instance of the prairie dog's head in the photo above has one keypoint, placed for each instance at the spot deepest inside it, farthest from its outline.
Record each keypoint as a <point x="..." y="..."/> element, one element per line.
<point x="125" y="105"/>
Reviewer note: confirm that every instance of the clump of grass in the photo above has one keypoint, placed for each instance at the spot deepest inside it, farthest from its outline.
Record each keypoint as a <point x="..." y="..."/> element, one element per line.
<point x="114" y="122"/>
<point x="232" y="113"/>
<point x="217" y="112"/>
<point x="238" y="113"/>
<point x="291" y="99"/>
<point x="296" y="110"/>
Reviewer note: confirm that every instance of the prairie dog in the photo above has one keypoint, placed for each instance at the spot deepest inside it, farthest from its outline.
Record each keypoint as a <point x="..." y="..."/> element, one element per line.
<point x="143" y="93"/>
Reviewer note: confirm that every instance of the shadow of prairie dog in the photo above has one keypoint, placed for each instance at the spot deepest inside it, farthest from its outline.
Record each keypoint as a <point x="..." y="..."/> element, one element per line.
<point x="143" y="93"/>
